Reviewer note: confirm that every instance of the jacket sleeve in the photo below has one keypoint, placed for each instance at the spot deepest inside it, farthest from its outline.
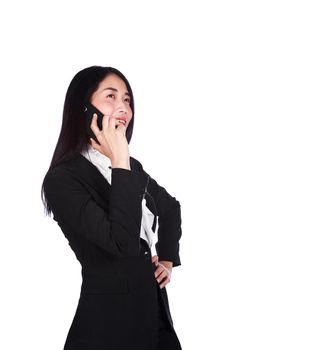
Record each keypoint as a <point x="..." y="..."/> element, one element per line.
<point x="118" y="231"/>
<point x="169" y="221"/>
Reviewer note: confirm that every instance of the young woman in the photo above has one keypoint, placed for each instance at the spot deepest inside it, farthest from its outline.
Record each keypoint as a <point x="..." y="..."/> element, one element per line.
<point x="109" y="208"/>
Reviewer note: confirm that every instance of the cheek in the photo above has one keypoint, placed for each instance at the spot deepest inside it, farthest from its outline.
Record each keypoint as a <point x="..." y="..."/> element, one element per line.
<point x="107" y="108"/>
<point x="130" y="112"/>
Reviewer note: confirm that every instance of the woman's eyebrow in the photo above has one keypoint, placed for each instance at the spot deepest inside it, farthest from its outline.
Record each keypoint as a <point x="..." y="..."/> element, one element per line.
<point x="110" y="88"/>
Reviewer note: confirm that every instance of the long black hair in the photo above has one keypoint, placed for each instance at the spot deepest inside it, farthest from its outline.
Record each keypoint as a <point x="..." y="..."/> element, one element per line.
<point x="73" y="136"/>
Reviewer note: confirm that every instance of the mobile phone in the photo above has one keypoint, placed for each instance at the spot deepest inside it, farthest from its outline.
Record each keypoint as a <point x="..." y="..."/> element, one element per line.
<point x="89" y="110"/>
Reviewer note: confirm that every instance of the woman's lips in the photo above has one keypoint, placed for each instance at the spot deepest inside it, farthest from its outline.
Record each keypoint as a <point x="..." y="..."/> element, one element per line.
<point x="122" y="119"/>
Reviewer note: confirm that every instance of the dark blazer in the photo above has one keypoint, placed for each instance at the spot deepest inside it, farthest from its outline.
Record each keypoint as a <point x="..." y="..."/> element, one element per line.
<point x="118" y="301"/>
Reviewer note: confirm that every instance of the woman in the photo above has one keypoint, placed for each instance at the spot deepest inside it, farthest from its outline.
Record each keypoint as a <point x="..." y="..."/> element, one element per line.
<point x="107" y="207"/>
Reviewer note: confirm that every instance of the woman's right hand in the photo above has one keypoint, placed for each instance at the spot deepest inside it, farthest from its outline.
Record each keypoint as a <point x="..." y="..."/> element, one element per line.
<point x="113" y="142"/>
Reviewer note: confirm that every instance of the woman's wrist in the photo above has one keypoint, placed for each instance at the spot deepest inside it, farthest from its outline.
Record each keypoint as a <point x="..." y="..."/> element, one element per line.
<point x="121" y="164"/>
<point x="167" y="264"/>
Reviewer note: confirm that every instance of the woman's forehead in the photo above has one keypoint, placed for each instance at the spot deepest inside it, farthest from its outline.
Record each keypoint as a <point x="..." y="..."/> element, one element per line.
<point x="115" y="81"/>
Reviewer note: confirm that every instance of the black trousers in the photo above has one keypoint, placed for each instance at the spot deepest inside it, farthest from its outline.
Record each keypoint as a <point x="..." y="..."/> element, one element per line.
<point x="167" y="338"/>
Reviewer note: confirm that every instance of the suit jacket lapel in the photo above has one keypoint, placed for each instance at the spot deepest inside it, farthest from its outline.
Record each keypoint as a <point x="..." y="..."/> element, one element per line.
<point x="91" y="178"/>
<point x="95" y="182"/>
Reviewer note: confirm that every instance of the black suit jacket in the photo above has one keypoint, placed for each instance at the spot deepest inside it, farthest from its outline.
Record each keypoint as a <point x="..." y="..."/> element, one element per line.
<point x="118" y="301"/>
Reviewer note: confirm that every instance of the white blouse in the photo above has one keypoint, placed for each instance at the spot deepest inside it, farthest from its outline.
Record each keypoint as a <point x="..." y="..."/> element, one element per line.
<point x="103" y="164"/>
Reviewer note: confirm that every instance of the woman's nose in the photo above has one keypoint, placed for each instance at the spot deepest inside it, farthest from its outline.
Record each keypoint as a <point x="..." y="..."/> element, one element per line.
<point x="120" y="108"/>
<point x="120" y="111"/>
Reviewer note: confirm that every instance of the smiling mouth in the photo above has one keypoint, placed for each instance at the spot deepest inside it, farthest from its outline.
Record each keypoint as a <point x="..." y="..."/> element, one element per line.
<point x="121" y="121"/>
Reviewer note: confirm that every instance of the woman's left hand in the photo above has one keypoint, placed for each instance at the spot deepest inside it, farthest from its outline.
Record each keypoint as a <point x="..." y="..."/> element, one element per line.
<point x="163" y="271"/>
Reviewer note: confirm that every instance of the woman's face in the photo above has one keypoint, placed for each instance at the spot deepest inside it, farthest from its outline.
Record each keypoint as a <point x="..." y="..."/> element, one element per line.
<point x="112" y="98"/>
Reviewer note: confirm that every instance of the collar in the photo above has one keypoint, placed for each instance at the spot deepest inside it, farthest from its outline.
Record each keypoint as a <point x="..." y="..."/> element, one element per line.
<point x="97" y="158"/>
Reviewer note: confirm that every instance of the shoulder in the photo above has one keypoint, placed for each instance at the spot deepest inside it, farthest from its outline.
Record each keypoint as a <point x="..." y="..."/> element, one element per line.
<point x="135" y="164"/>
<point x="60" y="176"/>
<point x="68" y="168"/>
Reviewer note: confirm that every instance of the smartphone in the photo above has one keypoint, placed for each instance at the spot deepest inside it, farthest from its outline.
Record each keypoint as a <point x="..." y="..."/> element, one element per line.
<point x="89" y="110"/>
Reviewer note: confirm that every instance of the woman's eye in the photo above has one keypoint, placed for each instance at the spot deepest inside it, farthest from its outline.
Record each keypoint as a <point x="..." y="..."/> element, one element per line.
<point x="128" y="100"/>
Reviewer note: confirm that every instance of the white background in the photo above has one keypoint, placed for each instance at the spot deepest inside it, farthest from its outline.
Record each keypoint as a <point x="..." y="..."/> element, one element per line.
<point x="229" y="118"/>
